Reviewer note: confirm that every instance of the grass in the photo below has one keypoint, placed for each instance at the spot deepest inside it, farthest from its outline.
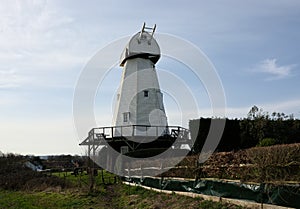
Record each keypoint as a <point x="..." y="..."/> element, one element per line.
<point x="126" y="197"/>
<point x="82" y="179"/>
<point x="35" y="200"/>
<point x="104" y="196"/>
<point x="138" y="197"/>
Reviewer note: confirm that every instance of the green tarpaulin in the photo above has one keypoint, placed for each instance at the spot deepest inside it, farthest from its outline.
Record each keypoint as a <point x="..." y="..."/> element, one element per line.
<point x="283" y="195"/>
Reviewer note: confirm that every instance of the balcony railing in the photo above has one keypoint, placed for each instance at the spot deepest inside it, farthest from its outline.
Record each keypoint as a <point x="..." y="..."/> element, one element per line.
<point x="112" y="132"/>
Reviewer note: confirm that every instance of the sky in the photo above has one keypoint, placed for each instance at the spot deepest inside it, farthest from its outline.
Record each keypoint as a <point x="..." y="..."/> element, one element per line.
<point x="44" y="46"/>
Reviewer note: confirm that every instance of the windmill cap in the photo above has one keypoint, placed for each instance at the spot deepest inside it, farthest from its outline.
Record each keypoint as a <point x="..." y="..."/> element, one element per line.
<point x="141" y="45"/>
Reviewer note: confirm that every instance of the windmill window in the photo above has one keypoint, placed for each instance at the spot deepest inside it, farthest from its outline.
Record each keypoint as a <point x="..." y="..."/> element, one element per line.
<point x="124" y="149"/>
<point x="126" y="116"/>
<point x="160" y="100"/>
<point x="146" y="93"/>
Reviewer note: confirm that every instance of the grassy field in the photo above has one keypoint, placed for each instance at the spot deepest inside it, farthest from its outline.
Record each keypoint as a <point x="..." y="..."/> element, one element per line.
<point x="23" y="188"/>
<point x="113" y="196"/>
<point x="67" y="199"/>
<point x="110" y="195"/>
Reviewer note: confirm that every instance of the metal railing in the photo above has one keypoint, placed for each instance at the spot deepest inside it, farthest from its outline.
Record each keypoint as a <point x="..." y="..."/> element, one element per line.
<point x="138" y="130"/>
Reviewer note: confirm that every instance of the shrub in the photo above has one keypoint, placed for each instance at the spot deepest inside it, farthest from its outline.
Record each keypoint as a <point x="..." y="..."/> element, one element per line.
<point x="267" y="142"/>
<point x="275" y="163"/>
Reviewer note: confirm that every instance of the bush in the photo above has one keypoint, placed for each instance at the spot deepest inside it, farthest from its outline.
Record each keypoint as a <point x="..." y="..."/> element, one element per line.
<point x="267" y="142"/>
<point x="275" y="163"/>
<point x="15" y="176"/>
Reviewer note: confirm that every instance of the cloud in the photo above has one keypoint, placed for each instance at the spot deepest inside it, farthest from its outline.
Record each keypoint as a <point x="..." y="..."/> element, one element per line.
<point x="27" y="24"/>
<point x="38" y="42"/>
<point x="288" y="107"/>
<point x="10" y="79"/>
<point x="275" y="72"/>
<point x="39" y="136"/>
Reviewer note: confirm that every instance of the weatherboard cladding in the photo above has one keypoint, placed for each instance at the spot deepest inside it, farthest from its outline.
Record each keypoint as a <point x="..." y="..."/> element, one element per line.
<point x="139" y="99"/>
<point x="139" y="75"/>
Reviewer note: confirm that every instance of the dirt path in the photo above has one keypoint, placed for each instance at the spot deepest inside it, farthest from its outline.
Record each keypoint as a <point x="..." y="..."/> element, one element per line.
<point x="111" y="194"/>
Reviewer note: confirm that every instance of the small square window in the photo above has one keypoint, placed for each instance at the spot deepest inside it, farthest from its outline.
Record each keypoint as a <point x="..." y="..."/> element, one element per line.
<point x="146" y="93"/>
<point x="124" y="149"/>
<point x="126" y="116"/>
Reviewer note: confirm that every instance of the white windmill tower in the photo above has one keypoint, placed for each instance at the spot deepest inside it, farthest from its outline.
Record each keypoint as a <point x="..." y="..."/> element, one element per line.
<point x="140" y="122"/>
<point x="140" y="100"/>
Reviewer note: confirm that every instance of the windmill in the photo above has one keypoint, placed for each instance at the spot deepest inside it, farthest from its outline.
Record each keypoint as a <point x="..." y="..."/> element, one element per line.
<point x="140" y="100"/>
<point x="140" y="122"/>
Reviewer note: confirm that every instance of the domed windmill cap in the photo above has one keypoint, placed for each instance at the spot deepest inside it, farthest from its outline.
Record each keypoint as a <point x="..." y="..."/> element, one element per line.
<point x="142" y="45"/>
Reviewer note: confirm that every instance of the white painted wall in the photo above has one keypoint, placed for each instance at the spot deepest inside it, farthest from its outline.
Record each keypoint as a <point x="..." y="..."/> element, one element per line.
<point x="139" y="96"/>
<point x="139" y="75"/>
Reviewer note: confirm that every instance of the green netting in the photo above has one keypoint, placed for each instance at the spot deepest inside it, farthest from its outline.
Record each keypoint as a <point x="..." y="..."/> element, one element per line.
<point x="283" y="195"/>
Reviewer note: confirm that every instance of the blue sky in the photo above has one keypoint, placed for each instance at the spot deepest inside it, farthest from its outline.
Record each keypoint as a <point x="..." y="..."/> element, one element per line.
<point x="44" y="45"/>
